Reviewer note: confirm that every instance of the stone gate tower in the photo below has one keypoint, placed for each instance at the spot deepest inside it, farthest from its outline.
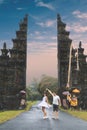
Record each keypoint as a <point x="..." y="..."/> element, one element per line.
<point x="13" y="68"/>
<point x="78" y="70"/>
<point x="64" y="43"/>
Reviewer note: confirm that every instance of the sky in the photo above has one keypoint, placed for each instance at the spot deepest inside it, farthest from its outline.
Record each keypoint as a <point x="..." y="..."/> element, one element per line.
<point x="42" y="30"/>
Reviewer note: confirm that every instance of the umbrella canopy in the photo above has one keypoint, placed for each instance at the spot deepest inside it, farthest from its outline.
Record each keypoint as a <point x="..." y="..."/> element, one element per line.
<point x="76" y="91"/>
<point x="65" y="93"/>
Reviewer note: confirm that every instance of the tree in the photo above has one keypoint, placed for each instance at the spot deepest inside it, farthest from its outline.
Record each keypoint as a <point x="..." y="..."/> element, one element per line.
<point x="32" y="91"/>
<point x="48" y="82"/>
<point x="32" y="94"/>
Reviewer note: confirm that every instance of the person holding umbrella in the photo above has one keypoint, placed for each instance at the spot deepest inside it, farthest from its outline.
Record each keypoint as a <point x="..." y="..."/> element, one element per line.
<point x="22" y="99"/>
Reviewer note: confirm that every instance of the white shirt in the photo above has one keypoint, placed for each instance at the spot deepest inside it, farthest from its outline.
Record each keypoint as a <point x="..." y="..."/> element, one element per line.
<point x="56" y="100"/>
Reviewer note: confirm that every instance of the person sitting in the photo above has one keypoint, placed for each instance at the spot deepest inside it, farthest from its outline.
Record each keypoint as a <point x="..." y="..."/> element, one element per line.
<point x="74" y="102"/>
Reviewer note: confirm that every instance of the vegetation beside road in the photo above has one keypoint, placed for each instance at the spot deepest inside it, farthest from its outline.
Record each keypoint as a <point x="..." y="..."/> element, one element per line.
<point x="9" y="114"/>
<point x="79" y="114"/>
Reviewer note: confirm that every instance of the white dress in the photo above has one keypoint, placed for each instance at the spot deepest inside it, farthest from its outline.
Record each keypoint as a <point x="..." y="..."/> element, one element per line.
<point x="44" y="103"/>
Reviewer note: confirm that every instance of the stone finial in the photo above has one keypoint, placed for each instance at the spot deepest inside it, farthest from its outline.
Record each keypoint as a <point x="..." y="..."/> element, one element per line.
<point x="59" y="18"/>
<point x="4" y="45"/>
<point x="80" y="44"/>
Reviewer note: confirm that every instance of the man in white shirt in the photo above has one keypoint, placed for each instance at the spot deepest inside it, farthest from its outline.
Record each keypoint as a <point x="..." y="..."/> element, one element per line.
<point x="56" y="103"/>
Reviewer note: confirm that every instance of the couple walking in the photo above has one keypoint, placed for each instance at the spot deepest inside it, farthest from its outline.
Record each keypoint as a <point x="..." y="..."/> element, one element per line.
<point x="44" y="104"/>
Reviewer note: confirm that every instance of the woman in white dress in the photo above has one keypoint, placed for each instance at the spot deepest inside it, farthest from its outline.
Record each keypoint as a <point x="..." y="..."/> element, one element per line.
<point x="44" y="104"/>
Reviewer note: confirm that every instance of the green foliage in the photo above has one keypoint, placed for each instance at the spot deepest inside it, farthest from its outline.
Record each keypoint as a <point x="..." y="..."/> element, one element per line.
<point x="36" y="90"/>
<point x="32" y="91"/>
<point x="48" y="82"/>
<point x="32" y="95"/>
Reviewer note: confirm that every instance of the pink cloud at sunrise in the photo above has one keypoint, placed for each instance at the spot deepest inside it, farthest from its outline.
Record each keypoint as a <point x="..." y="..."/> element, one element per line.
<point x="41" y="63"/>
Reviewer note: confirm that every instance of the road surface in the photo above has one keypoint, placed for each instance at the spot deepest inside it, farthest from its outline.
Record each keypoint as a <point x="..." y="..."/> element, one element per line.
<point x="33" y="120"/>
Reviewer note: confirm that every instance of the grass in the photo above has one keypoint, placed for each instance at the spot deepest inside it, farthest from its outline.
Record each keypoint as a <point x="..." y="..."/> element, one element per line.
<point x="9" y="114"/>
<point x="77" y="113"/>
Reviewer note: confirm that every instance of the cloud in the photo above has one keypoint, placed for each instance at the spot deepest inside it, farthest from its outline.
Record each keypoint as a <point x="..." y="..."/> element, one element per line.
<point x="1" y="1"/>
<point x="48" y="23"/>
<point x="34" y="17"/>
<point x="54" y="38"/>
<point x="79" y="14"/>
<point x="35" y="35"/>
<point x="37" y="32"/>
<point x="42" y="36"/>
<point x="81" y="25"/>
<point x="78" y="35"/>
<point x="42" y="4"/>
<point x="77" y="27"/>
<point x="39" y="37"/>
<point x="40" y="47"/>
<point x="19" y="8"/>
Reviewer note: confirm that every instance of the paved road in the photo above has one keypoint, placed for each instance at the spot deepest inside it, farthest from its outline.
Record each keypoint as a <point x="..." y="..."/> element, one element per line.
<point x="32" y="120"/>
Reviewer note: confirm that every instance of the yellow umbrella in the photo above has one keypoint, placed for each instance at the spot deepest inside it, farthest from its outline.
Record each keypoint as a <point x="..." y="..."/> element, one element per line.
<point x="76" y="90"/>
